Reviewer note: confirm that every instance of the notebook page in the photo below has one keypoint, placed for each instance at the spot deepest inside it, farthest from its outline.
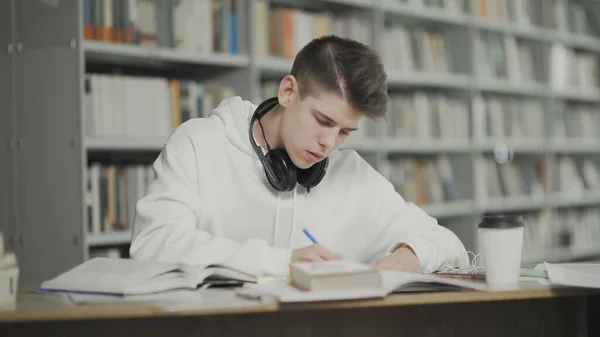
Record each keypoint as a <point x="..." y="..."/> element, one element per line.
<point x="108" y="275"/>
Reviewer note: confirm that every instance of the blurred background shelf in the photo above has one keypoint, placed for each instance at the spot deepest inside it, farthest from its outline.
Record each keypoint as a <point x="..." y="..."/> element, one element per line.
<point x="115" y="144"/>
<point x="494" y="107"/>
<point x="109" y="239"/>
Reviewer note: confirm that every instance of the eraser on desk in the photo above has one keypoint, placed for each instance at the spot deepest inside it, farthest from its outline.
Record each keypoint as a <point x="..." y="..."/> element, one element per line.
<point x="533" y="273"/>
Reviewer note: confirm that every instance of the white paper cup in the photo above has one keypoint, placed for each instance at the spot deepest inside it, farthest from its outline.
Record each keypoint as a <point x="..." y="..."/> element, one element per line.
<point x="501" y="240"/>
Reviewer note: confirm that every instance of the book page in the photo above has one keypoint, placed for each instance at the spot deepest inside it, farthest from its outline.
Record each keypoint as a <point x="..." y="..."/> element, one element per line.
<point x="394" y="280"/>
<point x="223" y="273"/>
<point x="285" y="292"/>
<point x="108" y="275"/>
<point x="574" y="274"/>
<point x="178" y="295"/>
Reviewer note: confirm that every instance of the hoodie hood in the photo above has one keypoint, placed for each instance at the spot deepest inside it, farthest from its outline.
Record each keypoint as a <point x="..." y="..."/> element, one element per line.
<point x="235" y="115"/>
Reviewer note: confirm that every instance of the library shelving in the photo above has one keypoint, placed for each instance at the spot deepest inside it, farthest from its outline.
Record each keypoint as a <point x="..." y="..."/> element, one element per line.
<point x="494" y="107"/>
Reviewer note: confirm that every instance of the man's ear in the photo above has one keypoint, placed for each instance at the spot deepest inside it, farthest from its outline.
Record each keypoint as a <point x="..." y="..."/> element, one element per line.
<point x="288" y="91"/>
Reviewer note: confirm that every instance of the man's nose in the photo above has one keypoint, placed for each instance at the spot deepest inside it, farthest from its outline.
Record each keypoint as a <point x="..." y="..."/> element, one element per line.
<point x="327" y="139"/>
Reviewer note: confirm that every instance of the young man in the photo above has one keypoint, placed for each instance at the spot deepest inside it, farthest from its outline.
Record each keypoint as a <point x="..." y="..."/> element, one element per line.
<point x="211" y="200"/>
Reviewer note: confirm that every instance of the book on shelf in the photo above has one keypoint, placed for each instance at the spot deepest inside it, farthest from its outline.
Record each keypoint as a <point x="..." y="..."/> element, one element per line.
<point x="426" y="115"/>
<point x="282" y="30"/>
<point x="577" y="177"/>
<point x="425" y="181"/>
<point x="506" y="58"/>
<point x="515" y="178"/>
<point x="145" y="107"/>
<point x="500" y="118"/>
<point x="559" y="234"/>
<point x="573" y="69"/>
<point x="189" y="25"/>
<point x="408" y="48"/>
<point x="112" y="194"/>
<point x="560" y="15"/>
<point x="106" y="252"/>
<point x="576" y="123"/>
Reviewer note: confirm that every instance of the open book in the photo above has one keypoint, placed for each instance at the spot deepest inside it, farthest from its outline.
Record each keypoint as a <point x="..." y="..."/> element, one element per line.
<point x="392" y="281"/>
<point x="135" y="277"/>
<point x="583" y="274"/>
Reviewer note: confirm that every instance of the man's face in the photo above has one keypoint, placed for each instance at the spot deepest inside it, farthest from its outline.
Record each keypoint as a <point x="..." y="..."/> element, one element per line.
<point x="313" y="127"/>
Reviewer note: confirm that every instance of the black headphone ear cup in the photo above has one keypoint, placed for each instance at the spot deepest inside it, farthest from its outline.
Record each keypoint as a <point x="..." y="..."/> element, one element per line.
<point x="283" y="170"/>
<point x="312" y="176"/>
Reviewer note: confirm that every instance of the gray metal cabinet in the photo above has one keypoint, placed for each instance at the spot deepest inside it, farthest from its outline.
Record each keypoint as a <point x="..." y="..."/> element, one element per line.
<point x="7" y="124"/>
<point x="49" y="158"/>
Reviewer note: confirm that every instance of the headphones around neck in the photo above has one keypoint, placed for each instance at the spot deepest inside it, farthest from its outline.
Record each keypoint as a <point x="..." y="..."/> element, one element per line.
<point x="281" y="172"/>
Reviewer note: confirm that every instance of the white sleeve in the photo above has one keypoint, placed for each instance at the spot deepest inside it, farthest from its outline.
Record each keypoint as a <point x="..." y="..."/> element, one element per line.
<point x="170" y="223"/>
<point x="401" y="222"/>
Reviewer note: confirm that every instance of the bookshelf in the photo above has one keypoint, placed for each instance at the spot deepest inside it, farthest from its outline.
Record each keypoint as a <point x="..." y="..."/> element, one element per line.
<point x="472" y="82"/>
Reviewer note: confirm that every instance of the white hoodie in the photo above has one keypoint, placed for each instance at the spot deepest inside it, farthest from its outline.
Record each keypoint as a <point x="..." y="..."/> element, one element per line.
<point x="210" y="202"/>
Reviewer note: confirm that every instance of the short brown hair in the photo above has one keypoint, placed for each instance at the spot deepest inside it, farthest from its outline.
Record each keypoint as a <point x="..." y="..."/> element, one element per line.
<point x="345" y="67"/>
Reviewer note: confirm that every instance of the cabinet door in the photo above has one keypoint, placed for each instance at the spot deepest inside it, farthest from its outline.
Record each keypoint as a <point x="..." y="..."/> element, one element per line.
<point x="50" y="160"/>
<point x="7" y="127"/>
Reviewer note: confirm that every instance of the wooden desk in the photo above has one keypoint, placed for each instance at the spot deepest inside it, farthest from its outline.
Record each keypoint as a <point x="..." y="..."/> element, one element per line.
<point x="533" y="310"/>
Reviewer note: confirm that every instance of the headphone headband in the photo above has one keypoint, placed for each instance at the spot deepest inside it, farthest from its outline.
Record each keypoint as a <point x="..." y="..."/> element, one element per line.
<point x="260" y="111"/>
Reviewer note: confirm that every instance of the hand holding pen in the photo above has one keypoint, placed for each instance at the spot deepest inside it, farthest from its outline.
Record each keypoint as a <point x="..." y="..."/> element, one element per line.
<point x="314" y="252"/>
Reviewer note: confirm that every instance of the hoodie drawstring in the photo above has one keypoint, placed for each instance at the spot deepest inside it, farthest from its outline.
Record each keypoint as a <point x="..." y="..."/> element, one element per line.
<point x="293" y="220"/>
<point x="276" y="225"/>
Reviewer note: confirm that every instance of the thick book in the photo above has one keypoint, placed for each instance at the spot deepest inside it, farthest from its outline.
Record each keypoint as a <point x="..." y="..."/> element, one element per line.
<point x="345" y="280"/>
<point x="334" y="275"/>
<point x="136" y="277"/>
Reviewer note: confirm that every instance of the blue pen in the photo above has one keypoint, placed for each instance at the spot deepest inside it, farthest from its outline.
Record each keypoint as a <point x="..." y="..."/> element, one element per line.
<point x="312" y="238"/>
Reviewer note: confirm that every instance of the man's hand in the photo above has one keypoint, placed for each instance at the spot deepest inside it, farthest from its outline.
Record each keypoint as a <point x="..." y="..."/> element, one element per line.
<point x="314" y="253"/>
<point x="403" y="259"/>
